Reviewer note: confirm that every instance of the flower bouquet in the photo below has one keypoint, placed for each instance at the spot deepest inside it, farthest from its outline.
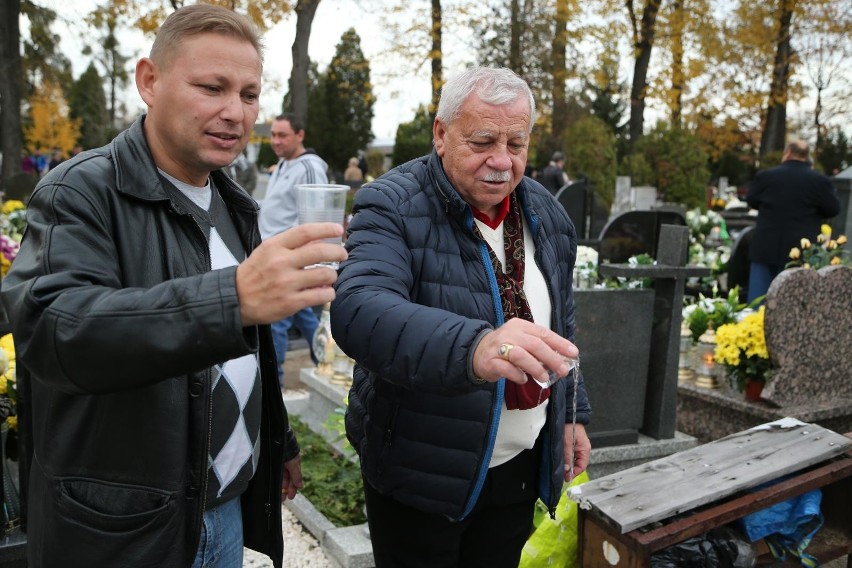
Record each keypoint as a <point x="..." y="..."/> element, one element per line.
<point x="8" y="383"/>
<point x="586" y="273"/>
<point x="741" y="348"/>
<point x="13" y="221"/>
<point x="826" y="251"/>
<point x="707" y="313"/>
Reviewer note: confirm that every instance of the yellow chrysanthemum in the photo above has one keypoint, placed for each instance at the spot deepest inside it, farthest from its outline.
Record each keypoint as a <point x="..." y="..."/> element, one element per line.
<point x="805" y="243"/>
<point x="795" y="253"/>
<point x="12" y="421"/>
<point x="11" y="206"/>
<point x="737" y="342"/>
<point x="7" y="344"/>
<point x="835" y="261"/>
<point x="825" y="229"/>
<point x="841" y="240"/>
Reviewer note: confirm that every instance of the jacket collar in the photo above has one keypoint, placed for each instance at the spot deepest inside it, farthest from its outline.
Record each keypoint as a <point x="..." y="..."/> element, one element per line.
<point x="454" y="205"/>
<point x="136" y="173"/>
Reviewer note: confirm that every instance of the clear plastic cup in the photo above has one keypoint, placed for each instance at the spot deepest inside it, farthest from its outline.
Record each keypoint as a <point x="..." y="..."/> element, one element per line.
<point x="322" y="202"/>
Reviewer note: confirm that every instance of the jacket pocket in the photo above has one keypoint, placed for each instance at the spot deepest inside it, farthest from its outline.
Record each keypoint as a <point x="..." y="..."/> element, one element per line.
<point x="110" y="507"/>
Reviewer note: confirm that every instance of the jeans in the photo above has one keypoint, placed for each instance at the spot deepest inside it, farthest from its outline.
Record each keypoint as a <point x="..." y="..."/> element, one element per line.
<point x="306" y="322"/>
<point x="221" y="544"/>
<point x="760" y="276"/>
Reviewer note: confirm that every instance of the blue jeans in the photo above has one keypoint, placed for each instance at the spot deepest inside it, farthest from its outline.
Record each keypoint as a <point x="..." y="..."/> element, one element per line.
<point x="221" y="544"/>
<point x="760" y="276"/>
<point x="306" y="322"/>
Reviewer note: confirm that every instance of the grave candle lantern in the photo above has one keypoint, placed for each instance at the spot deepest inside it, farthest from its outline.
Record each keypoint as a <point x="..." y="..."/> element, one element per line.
<point x="706" y="361"/>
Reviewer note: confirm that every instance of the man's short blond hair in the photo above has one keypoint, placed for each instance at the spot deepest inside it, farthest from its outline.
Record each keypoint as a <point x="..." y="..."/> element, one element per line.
<point x="200" y="19"/>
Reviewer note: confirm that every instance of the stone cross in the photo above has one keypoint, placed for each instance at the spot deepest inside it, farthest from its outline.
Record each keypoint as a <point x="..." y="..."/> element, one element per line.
<point x="669" y="274"/>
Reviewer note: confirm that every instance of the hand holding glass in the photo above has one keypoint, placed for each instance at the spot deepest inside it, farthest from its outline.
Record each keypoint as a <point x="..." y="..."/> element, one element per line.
<point x="572" y="362"/>
<point x="320" y="203"/>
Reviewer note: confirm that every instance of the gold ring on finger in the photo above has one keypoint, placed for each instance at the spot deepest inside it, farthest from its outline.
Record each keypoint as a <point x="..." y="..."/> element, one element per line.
<point x="504" y="350"/>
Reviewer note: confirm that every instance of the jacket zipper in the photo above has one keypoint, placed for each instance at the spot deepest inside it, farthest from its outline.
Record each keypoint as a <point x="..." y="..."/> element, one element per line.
<point x="205" y="476"/>
<point x="501" y="384"/>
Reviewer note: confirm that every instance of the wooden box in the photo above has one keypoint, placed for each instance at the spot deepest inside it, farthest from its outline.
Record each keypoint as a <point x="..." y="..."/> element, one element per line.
<point x="616" y="535"/>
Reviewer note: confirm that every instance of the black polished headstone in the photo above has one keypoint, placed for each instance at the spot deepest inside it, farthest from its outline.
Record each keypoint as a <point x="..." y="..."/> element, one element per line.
<point x="574" y="199"/>
<point x="635" y="232"/>
<point x="669" y="275"/>
<point x="614" y="360"/>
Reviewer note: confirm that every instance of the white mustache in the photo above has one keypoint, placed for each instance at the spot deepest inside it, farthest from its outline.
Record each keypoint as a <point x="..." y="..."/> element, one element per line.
<point x="495" y="175"/>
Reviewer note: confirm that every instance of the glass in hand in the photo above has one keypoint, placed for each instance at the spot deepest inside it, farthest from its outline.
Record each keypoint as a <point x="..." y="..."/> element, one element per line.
<point x="552" y="377"/>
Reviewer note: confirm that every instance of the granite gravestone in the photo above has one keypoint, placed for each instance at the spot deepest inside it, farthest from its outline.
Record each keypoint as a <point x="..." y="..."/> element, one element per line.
<point x="574" y="199"/>
<point x="621" y="203"/>
<point x="669" y="275"/>
<point x="643" y="197"/>
<point x="614" y="337"/>
<point x="635" y="232"/>
<point x="808" y="329"/>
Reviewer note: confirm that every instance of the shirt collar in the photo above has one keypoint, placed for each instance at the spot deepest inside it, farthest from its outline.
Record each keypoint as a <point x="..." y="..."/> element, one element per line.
<point x="502" y="211"/>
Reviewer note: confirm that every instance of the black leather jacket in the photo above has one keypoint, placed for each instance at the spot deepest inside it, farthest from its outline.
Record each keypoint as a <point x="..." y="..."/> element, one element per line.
<point x="117" y="320"/>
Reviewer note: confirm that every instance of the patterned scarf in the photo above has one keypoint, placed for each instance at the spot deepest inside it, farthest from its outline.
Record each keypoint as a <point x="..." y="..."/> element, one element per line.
<point x="514" y="300"/>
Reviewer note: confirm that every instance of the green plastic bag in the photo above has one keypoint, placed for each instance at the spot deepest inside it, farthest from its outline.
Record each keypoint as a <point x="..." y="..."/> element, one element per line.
<point x="553" y="543"/>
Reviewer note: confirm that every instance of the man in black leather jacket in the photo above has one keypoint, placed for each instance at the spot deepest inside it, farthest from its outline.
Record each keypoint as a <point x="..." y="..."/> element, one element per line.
<point x="140" y="302"/>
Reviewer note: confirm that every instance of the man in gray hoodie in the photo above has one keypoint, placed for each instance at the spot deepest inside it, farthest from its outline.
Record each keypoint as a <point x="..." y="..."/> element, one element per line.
<point x="279" y="212"/>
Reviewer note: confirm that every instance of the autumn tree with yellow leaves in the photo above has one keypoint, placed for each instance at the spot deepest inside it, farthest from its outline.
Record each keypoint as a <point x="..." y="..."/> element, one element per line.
<point x="50" y="126"/>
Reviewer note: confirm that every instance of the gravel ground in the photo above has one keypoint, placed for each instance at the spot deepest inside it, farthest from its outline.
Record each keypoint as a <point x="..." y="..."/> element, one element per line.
<point x="301" y="549"/>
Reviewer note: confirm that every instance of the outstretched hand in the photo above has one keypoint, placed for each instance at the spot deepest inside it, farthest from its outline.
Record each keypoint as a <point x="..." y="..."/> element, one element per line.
<point x="272" y="283"/>
<point x="529" y="348"/>
<point x="582" y="450"/>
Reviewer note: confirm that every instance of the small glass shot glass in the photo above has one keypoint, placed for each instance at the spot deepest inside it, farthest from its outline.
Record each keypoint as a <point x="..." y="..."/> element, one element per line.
<point x="552" y="377"/>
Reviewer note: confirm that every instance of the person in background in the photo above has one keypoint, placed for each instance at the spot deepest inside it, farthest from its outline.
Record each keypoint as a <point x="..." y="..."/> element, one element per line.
<point x="28" y="164"/>
<point x="244" y="172"/>
<point x="455" y="302"/>
<point x="55" y="159"/>
<point x="140" y="303"/>
<point x="362" y="164"/>
<point x="353" y="173"/>
<point x="40" y="161"/>
<point x="279" y="212"/>
<point x="531" y="172"/>
<point x="792" y="200"/>
<point x="553" y="177"/>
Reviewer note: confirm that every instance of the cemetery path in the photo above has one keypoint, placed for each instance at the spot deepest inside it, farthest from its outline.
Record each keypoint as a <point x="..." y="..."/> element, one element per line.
<point x="301" y="550"/>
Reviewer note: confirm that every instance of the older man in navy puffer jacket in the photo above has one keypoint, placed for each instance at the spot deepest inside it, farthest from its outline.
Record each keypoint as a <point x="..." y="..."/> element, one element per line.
<point x="456" y="302"/>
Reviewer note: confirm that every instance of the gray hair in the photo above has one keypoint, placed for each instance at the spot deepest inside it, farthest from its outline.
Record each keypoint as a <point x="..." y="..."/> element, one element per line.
<point x="494" y="86"/>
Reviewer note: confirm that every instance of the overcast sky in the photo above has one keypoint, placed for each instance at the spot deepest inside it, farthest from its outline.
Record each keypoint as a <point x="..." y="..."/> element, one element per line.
<point x="395" y="101"/>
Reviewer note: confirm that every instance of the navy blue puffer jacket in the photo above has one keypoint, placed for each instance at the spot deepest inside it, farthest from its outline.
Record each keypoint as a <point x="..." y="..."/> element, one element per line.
<point x="412" y="300"/>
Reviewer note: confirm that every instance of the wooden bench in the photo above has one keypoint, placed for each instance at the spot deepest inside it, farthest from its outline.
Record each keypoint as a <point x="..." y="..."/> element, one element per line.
<point x="612" y="535"/>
